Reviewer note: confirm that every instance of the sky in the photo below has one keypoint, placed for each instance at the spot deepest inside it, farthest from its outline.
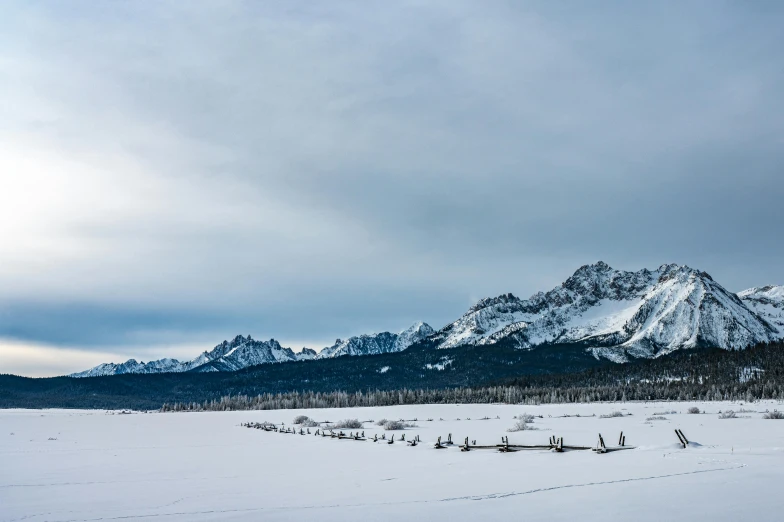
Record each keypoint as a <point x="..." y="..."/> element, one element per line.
<point x="173" y="174"/>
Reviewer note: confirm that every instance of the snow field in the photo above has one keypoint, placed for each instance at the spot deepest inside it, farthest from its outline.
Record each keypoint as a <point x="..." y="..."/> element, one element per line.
<point x="205" y="466"/>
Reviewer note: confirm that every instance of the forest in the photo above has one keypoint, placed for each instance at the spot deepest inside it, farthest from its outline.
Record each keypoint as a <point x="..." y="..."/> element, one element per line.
<point x="419" y="375"/>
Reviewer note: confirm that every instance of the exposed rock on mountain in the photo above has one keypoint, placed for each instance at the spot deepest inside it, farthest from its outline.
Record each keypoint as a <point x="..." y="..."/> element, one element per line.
<point x="242" y="352"/>
<point x="768" y="303"/>
<point x="384" y="342"/>
<point x="616" y="314"/>
<point x="620" y="314"/>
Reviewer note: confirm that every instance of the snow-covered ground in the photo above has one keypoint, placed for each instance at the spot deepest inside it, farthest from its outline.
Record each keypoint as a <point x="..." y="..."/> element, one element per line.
<point x="58" y="465"/>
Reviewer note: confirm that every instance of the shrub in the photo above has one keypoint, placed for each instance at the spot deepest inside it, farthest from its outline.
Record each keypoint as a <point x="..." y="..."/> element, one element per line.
<point x="657" y="417"/>
<point x="728" y="415"/>
<point x="299" y="419"/>
<point x="611" y="415"/>
<point x="774" y="415"/>
<point x="693" y="410"/>
<point x="522" y="424"/>
<point x="526" y="418"/>
<point x="348" y="424"/>
<point x="310" y="423"/>
<point x="398" y="425"/>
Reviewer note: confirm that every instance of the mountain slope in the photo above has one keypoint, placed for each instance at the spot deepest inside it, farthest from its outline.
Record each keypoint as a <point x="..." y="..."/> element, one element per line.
<point x="233" y="355"/>
<point x="242" y="352"/>
<point x="132" y="366"/>
<point x="616" y="314"/>
<point x="619" y="314"/>
<point x="768" y="303"/>
<point x="372" y="344"/>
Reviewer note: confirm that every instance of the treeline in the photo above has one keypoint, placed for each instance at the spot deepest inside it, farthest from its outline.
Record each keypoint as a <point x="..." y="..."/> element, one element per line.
<point x="414" y="369"/>
<point x="494" y="373"/>
<point x="704" y="375"/>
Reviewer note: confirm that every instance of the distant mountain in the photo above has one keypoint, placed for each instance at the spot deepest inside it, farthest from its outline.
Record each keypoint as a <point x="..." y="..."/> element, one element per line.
<point x="227" y="356"/>
<point x="133" y="366"/>
<point x="242" y="352"/>
<point x="620" y="314"/>
<point x="378" y="343"/>
<point x="768" y="303"/>
<point x="612" y="314"/>
<point x="239" y="353"/>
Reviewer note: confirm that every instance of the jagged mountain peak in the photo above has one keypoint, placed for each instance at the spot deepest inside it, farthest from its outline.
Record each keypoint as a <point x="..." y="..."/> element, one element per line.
<point x="646" y="313"/>
<point x="768" y="302"/>
<point x="684" y="271"/>
<point x="243" y="351"/>
<point x="593" y="269"/>
<point x="773" y="293"/>
<point x="418" y="327"/>
<point x="501" y="300"/>
<point x="307" y="354"/>
<point x="615" y="313"/>
<point x="413" y="334"/>
<point x="131" y="366"/>
<point x="384" y="342"/>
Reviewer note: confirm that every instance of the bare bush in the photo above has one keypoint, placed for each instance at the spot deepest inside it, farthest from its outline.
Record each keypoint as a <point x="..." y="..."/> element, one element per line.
<point x="398" y="425"/>
<point x="612" y="415"/>
<point x="693" y="410"/>
<point x="656" y="418"/>
<point x="527" y="418"/>
<point x="382" y="422"/>
<point x="774" y="415"/>
<point x="728" y="415"/>
<point x="299" y="419"/>
<point x="523" y="424"/>
<point x="310" y="423"/>
<point x="348" y="424"/>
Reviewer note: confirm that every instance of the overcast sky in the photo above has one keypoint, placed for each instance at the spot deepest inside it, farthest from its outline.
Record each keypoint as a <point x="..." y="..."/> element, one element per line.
<point x="176" y="173"/>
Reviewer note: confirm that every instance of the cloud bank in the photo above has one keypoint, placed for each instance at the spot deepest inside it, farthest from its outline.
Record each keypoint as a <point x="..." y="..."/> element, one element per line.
<point x="176" y="173"/>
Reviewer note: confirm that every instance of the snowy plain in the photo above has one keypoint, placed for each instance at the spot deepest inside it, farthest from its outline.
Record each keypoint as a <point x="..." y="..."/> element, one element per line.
<point x="68" y="465"/>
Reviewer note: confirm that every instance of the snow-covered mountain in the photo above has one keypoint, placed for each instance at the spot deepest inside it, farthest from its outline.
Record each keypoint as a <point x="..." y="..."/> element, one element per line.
<point x="641" y="314"/>
<point x="615" y="313"/>
<point x="768" y="302"/>
<point x="307" y="354"/>
<point x="133" y="366"/>
<point x="236" y="354"/>
<point x="384" y="342"/>
<point x="242" y="352"/>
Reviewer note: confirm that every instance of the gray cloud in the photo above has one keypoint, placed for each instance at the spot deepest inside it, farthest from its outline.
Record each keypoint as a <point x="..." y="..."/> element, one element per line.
<point x="188" y="171"/>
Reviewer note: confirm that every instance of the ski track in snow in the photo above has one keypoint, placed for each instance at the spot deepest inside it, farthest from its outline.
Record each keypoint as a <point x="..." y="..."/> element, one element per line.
<point x="489" y="496"/>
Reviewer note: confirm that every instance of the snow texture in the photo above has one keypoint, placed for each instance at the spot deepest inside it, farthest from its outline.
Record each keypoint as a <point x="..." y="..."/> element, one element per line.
<point x="768" y="303"/>
<point x="242" y="352"/>
<point x="91" y="465"/>
<point x="236" y="354"/>
<point x="384" y="342"/>
<point x="619" y="314"/>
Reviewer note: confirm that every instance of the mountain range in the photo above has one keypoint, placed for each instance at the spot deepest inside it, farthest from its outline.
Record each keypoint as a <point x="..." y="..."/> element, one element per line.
<point x="616" y="315"/>
<point x="242" y="352"/>
<point x="621" y="314"/>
